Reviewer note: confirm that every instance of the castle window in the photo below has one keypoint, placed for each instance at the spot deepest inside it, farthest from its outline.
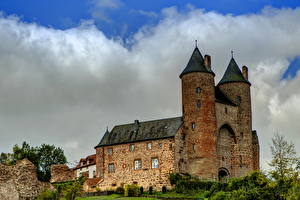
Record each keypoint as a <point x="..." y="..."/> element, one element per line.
<point x="111" y="168"/>
<point x="193" y="125"/>
<point x="160" y="145"/>
<point x="242" y="135"/>
<point x="198" y="104"/>
<point x="198" y="90"/>
<point x="239" y="99"/>
<point x="170" y="146"/>
<point x="194" y="147"/>
<point x="137" y="164"/>
<point x="149" y="146"/>
<point x="154" y="163"/>
<point x="94" y="174"/>
<point x="110" y="151"/>
<point x="131" y="147"/>
<point x="226" y="110"/>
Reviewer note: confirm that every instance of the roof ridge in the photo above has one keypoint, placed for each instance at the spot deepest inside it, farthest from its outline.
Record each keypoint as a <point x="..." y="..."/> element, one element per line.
<point x="153" y="120"/>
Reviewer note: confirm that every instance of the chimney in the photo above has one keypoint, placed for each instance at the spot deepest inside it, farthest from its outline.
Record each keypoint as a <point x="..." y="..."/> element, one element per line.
<point x="207" y="61"/>
<point x="245" y="72"/>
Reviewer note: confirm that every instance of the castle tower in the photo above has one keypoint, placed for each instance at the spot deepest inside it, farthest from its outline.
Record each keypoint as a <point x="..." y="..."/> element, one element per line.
<point x="235" y="85"/>
<point x="198" y="109"/>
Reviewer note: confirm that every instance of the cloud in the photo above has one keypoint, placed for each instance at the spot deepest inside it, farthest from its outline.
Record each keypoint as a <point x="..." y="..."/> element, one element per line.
<point x="101" y="8"/>
<point x="65" y="87"/>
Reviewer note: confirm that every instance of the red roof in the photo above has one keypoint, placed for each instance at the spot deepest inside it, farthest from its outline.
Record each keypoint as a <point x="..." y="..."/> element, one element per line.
<point x="85" y="162"/>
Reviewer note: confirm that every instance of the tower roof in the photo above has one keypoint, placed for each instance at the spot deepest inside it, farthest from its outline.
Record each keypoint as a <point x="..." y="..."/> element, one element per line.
<point x="196" y="64"/>
<point x="233" y="74"/>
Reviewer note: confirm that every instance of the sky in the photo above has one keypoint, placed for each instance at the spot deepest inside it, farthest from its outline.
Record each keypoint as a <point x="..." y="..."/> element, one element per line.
<point x="69" y="69"/>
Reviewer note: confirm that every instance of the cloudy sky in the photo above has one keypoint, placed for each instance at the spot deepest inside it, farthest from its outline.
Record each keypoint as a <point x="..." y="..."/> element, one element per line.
<point x="69" y="70"/>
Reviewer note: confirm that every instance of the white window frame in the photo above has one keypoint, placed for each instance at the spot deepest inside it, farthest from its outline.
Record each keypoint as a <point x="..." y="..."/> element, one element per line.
<point x="111" y="168"/>
<point x="154" y="163"/>
<point x="149" y="146"/>
<point x="137" y="164"/>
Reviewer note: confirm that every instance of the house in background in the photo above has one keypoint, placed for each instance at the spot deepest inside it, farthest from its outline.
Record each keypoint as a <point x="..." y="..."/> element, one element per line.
<point x="86" y="167"/>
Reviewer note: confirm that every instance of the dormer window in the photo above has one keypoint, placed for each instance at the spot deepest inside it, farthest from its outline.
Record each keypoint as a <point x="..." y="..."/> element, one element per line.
<point x="198" y="90"/>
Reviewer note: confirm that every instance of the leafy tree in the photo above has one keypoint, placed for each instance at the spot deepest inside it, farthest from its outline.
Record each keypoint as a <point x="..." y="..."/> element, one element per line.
<point x="284" y="158"/>
<point x="42" y="157"/>
<point x="49" y="155"/>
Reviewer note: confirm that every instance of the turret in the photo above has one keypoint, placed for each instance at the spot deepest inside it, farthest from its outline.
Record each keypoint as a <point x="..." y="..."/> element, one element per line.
<point x="235" y="85"/>
<point x="198" y="108"/>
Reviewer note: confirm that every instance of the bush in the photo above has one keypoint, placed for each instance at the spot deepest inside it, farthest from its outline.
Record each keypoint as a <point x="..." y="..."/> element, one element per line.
<point x="221" y="196"/>
<point x="120" y="190"/>
<point x="142" y="190"/>
<point x="164" y="189"/>
<point x="48" y="195"/>
<point x="132" y="191"/>
<point x="150" y="190"/>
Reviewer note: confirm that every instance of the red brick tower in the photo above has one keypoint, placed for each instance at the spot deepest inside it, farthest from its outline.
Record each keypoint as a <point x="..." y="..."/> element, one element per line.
<point x="198" y="108"/>
<point x="236" y="86"/>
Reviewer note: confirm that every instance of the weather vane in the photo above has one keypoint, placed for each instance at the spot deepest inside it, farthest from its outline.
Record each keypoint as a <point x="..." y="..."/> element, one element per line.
<point x="231" y="54"/>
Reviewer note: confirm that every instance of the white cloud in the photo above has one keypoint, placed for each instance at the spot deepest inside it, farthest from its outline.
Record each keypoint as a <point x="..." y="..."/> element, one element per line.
<point x="65" y="87"/>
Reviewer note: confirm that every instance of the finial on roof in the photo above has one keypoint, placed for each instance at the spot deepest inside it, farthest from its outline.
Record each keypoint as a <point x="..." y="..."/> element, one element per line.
<point x="106" y="128"/>
<point x="196" y="43"/>
<point x="231" y="54"/>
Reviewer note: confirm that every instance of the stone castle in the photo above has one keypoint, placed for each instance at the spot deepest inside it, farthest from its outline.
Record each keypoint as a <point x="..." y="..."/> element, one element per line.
<point x="213" y="139"/>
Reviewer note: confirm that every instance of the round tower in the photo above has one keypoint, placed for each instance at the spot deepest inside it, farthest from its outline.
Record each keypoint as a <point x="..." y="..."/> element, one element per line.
<point x="235" y="85"/>
<point x="198" y="109"/>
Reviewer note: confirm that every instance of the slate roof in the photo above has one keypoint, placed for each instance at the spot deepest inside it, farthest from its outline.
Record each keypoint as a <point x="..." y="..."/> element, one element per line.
<point x="233" y="74"/>
<point x="141" y="131"/>
<point x="196" y="64"/>
<point x="222" y="98"/>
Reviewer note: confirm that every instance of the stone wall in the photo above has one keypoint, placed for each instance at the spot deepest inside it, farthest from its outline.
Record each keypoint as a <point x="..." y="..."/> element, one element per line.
<point x="123" y="159"/>
<point x="61" y="173"/>
<point x="20" y="181"/>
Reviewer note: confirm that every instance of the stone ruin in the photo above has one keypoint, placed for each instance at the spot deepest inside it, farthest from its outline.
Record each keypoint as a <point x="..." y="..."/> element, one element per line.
<point x="19" y="182"/>
<point x="62" y="173"/>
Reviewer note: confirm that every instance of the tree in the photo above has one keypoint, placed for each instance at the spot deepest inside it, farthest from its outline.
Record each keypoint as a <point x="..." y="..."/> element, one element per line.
<point x="42" y="157"/>
<point x="49" y="155"/>
<point x="284" y="158"/>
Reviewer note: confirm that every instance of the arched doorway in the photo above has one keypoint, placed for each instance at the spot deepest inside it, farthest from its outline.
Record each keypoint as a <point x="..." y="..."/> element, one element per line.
<point x="225" y="147"/>
<point x="223" y="174"/>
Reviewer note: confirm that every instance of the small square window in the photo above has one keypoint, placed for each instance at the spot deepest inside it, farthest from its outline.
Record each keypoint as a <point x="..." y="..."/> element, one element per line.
<point x="110" y="151"/>
<point x="154" y="163"/>
<point x="160" y="145"/>
<point x="149" y="146"/>
<point x="137" y="164"/>
<point x="131" y="147"/>
<point x="198" y="104"/>
<point x="111" y="168"/>
<point x="194" y="147"/>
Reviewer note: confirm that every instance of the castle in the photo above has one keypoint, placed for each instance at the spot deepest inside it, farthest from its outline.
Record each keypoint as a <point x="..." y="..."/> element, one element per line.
<point x="213" y="139"/>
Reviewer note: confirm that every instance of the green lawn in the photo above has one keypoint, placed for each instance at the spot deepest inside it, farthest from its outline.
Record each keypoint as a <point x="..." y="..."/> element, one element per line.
<point x="113" y="197"/>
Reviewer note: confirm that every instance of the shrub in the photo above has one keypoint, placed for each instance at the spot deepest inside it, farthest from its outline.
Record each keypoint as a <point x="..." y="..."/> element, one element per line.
<point x="142" y="190"/>
<point x="164" y="189"/>
<point x="221" y="196"/>
<point x="48" y="195"/>
<point x="150" y="190"/>
<point x="120" y="190"/>
<point x="132" y="191"/>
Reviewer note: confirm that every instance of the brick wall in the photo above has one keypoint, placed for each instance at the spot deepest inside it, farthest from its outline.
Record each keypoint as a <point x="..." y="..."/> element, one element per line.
<point x="61" y="173"/>
<point x="123" y="160"/>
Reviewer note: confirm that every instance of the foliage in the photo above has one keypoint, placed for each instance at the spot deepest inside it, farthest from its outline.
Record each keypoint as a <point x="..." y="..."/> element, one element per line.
<point x="42" y="157"/>
<point x="284" y="158"/>
<point x="142" y="190"/>
<point x="119" y="190"/>
<point x="164" y="189"/>
<point x="132" y="191"/>
<point x="150" y="190"/>
<point x="48" y="195"/>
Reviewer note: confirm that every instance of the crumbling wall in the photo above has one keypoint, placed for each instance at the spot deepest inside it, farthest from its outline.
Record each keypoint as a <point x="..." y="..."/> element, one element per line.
<point x="62" y="173"/>
<point x="19" y="182"/>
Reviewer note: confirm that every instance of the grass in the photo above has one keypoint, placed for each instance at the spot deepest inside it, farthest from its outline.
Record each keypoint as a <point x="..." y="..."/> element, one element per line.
<point x="113" y="197"/>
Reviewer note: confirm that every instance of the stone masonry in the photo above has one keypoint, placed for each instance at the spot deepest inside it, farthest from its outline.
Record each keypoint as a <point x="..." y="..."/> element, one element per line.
<point x="19" y="182"/>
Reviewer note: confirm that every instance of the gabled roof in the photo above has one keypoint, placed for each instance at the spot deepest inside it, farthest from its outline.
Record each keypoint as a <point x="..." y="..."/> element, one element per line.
<point x="196" y="64"/>
<point x="141" y="131"/>
<point x="233" y="74"/>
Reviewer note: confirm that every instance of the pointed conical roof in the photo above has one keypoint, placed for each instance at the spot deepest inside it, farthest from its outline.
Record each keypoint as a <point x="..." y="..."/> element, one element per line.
<point x="196" y="64"/>
<point x="233" y="74"/>
<point x="104" y="138"/>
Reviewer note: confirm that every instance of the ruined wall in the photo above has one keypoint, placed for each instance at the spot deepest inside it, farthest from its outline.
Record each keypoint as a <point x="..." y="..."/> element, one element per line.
<point x="20" y="181"/>
<point x="123" y="159"/>
<point x="61" y="173"/>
